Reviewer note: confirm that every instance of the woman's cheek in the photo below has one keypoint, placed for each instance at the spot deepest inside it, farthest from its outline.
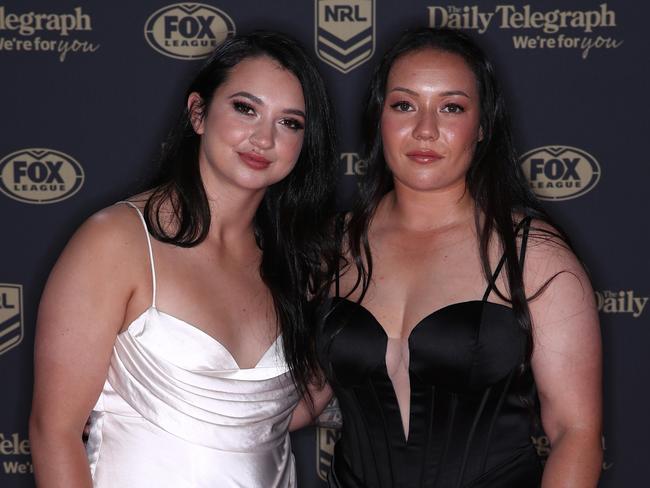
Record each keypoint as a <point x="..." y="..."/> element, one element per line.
<point x="291" y="144"/>
<point x="229" y="126"/>
<point x="391" y="132"/>
<point x="458" y="135"/>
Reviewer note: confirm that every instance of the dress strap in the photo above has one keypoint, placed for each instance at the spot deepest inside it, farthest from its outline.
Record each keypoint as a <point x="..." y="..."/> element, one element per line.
<point x="492" y="284"/>
<point x="525" y="225"/>
<point x="146" y="231"/>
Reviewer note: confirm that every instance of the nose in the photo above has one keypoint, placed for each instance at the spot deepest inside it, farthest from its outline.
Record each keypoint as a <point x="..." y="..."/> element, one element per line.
<point x="426" y="127"/>
<point x="262" y="135"/>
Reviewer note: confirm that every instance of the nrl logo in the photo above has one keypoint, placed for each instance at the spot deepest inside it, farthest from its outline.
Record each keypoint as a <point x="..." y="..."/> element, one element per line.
<point x="345" y="32"/>
<point x="325" y="440"/>
<point x="11" y="316"/>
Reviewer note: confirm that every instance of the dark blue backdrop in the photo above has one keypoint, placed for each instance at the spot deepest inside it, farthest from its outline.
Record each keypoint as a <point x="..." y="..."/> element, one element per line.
<point x="88" y="90"/>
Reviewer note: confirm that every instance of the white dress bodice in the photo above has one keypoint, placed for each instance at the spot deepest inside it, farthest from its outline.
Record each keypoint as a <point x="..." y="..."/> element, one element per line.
<point x="177" y="411"/>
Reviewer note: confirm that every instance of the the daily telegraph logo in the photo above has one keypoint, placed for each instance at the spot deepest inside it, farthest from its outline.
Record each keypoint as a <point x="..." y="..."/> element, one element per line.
<point x="353" y="164"/>
<point x="11" y="316"/>
<point x="620" y="302"/>
<point x="533" y="28"/>
<point x="560" y="172"/>
<point x="39" y="175"/>
<point x="188" y="30"/>
<point x="46" y="32"/>
<point x="12" y="445"/>
<point x="345" y="32"/>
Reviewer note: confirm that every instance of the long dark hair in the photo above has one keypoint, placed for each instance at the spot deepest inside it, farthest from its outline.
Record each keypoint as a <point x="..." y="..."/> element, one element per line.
<point x="495" y="180"/>
<point x="291" y="222"/>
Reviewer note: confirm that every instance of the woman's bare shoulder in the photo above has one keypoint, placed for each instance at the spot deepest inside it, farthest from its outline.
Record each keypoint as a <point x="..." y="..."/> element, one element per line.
<point x="551" y="265"/>
<point x="115" y="233"/>
<point x="117" y="221"/>
<point x="546" y="244"/>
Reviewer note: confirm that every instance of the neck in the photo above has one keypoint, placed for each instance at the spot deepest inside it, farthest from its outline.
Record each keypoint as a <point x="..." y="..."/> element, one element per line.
<point x="232" y="210"/>
<point x="423" y="211"/>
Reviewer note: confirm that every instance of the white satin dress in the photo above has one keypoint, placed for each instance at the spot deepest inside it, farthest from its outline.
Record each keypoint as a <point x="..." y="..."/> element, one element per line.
<point x="177" y="411"/>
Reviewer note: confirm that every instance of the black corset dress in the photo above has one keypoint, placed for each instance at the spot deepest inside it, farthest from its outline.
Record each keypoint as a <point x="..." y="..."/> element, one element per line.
<point x="471" y="408"/>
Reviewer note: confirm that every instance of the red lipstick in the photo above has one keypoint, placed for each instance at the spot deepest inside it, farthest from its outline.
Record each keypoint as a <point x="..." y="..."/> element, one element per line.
<point x="254" y="160"/>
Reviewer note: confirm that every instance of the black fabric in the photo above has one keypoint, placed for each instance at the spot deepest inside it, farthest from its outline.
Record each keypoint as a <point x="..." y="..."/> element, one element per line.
<point x="472" y="409"/>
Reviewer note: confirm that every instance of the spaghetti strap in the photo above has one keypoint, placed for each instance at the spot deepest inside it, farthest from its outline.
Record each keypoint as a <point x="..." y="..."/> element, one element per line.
<point x="153" y="267"/>
<point x="492" y="284"/>
<point x="525" y="225"/>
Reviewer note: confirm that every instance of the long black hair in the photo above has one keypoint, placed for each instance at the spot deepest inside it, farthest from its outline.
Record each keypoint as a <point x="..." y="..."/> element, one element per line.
<point x="291" y="223"/>
<point x="495" y="180"/>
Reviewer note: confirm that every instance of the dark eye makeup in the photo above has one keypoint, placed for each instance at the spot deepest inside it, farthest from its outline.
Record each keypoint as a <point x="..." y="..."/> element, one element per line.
<point x="243" y="108"/>
<point x="401" y="106"/>
<point x="293" y="124"/>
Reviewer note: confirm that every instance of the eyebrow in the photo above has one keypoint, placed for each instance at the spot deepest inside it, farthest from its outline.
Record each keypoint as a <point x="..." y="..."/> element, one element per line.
<point x="259" y="101"/>
<point x="250" y="96"/>
<point x="444" y="94"/>
<point x="295" y="111"/>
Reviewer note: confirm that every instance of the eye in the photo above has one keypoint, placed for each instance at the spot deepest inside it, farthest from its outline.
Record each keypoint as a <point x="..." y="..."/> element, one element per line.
<point x="402" y="106"/>
<point x="293" y="124"/>
<point x="243" y="108"/>
<point x="453" y="108"/>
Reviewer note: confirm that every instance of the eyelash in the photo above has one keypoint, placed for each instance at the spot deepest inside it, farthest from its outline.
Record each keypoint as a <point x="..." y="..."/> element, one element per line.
<point x="245" y="109"/>
<point x="293" y="124"/>
<point x="458" y="109"/>
<point x="403" y="106"/>
<point x="399" y="106"/>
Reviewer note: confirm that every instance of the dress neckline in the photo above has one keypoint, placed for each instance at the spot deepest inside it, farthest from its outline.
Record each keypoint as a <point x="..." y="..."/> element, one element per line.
<point x="423" y="319"/>
<point x="201" y="333"/>
<point x="406" y="417"/>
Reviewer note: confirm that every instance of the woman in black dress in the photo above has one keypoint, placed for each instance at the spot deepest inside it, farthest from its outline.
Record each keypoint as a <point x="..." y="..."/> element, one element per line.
<point x="461" y="313"/>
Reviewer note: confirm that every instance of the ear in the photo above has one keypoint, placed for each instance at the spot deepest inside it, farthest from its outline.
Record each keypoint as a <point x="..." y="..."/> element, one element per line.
<point x="480" y="134"/>
<point x="195" y="109"/>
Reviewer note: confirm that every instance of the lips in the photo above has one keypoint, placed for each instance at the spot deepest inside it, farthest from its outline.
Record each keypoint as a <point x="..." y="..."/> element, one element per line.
<point x="423" y="156"/>
<point x="254" y="160"/>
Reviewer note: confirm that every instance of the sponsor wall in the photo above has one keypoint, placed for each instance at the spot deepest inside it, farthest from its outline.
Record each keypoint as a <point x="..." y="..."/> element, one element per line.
<point x="89" y="88"/>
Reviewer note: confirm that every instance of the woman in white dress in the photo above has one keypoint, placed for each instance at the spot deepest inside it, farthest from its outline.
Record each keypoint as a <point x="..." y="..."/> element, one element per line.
<point x="176" y="320"/>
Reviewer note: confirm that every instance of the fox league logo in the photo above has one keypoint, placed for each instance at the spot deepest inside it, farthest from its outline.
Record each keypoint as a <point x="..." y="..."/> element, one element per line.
<point x="345" y="32"/>
<point x="187" y="30"/>
<point x="560" y="172"/>
<point x="11" y="316"/>
<point x="40" y="175"/>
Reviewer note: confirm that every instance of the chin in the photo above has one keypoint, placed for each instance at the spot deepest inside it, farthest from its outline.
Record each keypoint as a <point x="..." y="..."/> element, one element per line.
<point x="258" y="180"/>
<point x="430" y="183"/>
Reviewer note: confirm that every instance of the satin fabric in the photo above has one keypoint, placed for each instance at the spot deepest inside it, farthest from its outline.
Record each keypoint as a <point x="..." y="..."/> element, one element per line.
<point x="471" y="396"/>
<point x="177" y="411"/>
<point x="471" y="411"/>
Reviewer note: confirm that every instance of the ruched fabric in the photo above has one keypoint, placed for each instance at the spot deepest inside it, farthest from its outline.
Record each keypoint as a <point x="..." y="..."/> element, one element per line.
<point x="177" y="411"/>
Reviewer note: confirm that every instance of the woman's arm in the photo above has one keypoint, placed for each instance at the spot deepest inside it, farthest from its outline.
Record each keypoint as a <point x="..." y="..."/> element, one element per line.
<point x="305" y="413"/>
<point x="81" y="312"/>
<point x="566" y="364"/>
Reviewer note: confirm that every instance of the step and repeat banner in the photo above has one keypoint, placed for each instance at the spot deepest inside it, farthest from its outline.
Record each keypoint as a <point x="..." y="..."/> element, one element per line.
<point x="89" y="88"/>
